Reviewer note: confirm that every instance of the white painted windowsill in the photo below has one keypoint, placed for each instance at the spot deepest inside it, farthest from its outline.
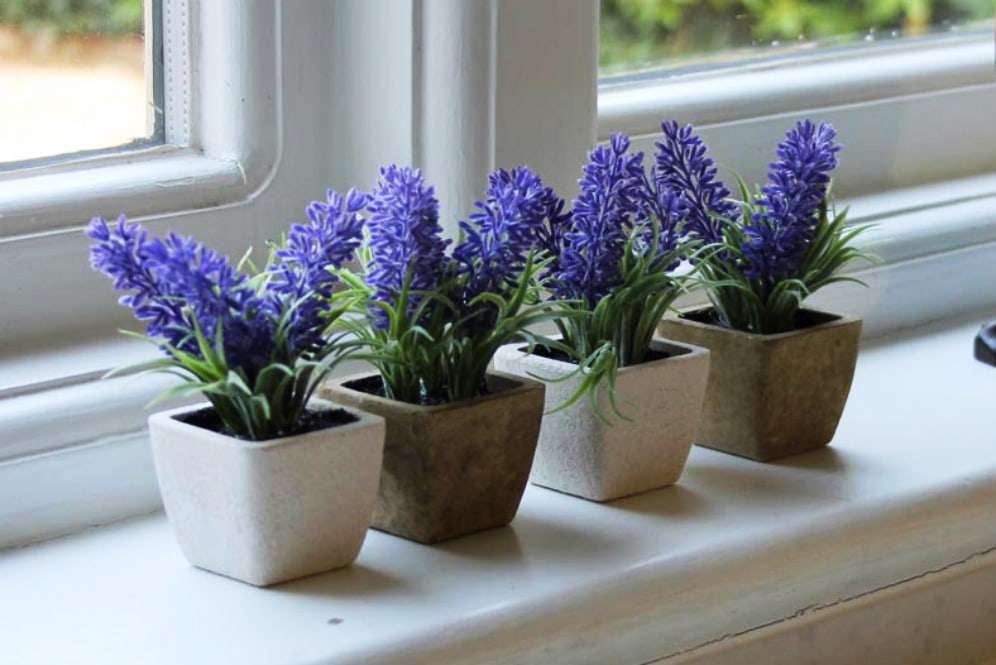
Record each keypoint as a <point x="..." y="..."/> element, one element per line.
<point x="906" y="493"/>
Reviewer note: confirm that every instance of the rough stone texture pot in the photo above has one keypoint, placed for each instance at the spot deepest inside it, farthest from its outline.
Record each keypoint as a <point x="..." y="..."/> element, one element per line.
<point x="581" y="454"/>
<point x="452" y="469"/>
<point x="771" y="396"/>
<point x="269" y="511"/>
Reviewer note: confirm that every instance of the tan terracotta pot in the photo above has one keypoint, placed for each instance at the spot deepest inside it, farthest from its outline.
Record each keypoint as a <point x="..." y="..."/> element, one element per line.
<point x="771" y="396"/>
<point x="268" y="511"/>
<point x="582" y="454"/>
<point x="452" y="469"/>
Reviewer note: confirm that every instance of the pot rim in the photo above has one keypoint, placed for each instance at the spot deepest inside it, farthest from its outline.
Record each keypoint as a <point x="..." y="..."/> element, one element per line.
<point x="689" y="353"/>
<point x="839" y="320"/>
<point x="167" y="420"/>
<point x="525" y="385"/>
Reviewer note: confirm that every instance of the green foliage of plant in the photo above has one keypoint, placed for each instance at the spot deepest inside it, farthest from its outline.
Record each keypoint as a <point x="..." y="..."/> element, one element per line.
<point x="107" y="17"/>
<point x="647" y="31"/>
<point x="754" y="305"/>
<point x="439" y="351"/>
<point x="270" y="405"/>
<point x="619" y="330"/>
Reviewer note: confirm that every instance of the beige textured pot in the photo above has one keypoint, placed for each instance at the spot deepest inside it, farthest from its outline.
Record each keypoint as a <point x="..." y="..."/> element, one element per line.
<point x="452" y="469"/>
<point x="771" y="396"/>
<point x="270" y="511"/>
<point x="581" y="454"/>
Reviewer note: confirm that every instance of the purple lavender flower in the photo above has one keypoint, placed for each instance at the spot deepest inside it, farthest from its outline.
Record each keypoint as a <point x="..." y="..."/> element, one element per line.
<point x="178" y="284"/>
<point x="683" y="167"/>
<point x="302" y="273"/>
<point x="780" y="232"/>
<point x="118" y="252"/>
<point x="603" y="215"/>
<point x="670" y="209"/>
<point x="552" y="235"/>
<point x="504" y="229"/>
<point x="405" y="237"/>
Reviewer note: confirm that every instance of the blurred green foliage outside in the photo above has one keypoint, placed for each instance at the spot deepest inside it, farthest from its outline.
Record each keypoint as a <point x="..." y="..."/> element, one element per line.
<point x="64" y="17"/>
<point x="637" y="33"/>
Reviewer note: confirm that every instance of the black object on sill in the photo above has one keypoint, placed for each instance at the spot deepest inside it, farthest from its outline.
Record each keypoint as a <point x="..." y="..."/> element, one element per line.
<point x="985" y="344"/>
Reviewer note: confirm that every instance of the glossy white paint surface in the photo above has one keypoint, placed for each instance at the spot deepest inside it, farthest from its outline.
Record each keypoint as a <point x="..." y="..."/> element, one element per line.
<point x="908" y="487"/>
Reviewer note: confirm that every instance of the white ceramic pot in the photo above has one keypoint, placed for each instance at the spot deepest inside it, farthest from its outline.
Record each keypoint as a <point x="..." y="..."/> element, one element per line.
<point x="581" y="454"/>
<point x="270" y="511"/>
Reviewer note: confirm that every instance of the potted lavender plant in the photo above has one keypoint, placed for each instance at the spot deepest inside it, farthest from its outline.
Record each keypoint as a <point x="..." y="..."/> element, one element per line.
<point x="613" y="266"/>
<point x="780" y="373"/>
<point x="262" y="483"/>
<point x="460" y="438"/>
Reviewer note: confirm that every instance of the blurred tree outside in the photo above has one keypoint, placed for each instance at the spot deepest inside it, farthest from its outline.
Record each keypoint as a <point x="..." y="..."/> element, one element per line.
<point x="74" y="17"/>
<point x="639" y="33"/>
<point x="73" y="76"/>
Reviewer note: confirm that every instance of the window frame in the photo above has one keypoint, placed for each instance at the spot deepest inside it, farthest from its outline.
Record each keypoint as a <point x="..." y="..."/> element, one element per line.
<point x="200" y="162"/>
<point x="76" y="451"/>
<point x="222" y="149"/>
<point x="272" y="124"/>
<point x="922" y="171"/>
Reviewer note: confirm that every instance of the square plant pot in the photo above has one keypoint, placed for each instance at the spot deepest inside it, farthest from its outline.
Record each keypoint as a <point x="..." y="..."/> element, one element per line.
<point x="582" y="454"/>
<point x="771" y="396"/>
<point x="268" y="511"/>
<point x="450" y="469"/>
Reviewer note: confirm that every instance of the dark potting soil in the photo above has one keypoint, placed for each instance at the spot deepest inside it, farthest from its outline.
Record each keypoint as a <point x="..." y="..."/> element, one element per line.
<point x="557" y="354"/>
<point x="804" y="318"/>
<point x="374" y="385"/>
<point x="311" y="421"/>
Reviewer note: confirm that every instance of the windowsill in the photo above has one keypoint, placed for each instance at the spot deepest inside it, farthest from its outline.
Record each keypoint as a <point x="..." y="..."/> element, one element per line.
<point x="908" y="488"/>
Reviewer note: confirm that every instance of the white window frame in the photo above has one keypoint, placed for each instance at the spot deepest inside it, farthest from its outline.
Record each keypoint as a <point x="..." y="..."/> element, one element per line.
<point x="204" y="160"/>
<point x="919" y="162"/>
<point x="328" y="91"/>
<point x="74" y="450"/>
<point x="215" y="98"/>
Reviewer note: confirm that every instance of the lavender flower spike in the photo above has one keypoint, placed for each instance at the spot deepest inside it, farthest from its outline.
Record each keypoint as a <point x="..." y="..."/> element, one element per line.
<point x="603" y="215"/>
<point x="302" y="271"/>
<point x="405" y="237"/>
<point x="177" y="284"/>
<point x="683" y="167"/>
<point x="779" y="234"/>
<point x="118" y="252"/>
<point x="505" y="227"/>
<point x="800" y="176"/>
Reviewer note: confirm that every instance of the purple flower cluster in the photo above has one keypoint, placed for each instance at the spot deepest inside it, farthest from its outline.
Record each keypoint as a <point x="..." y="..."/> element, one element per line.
<point x="177" y="284"/>
<point x="119" y="251"/>
<point x="405" y="237"/>
<point x="302" y="270"/>
<point x="507" y="225"/>
<point x="683" y="167"/>
<point x="779" y="233"/>
<point x="552" y="236"/>
<point x="612" y="197"/>
<point x="785" y="216"/>
<point x="669" y="208"/>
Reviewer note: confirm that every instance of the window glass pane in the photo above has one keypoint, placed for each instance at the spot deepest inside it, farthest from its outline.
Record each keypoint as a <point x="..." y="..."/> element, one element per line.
<point x="74" y="77"/>
<point x="648" y="34"/>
